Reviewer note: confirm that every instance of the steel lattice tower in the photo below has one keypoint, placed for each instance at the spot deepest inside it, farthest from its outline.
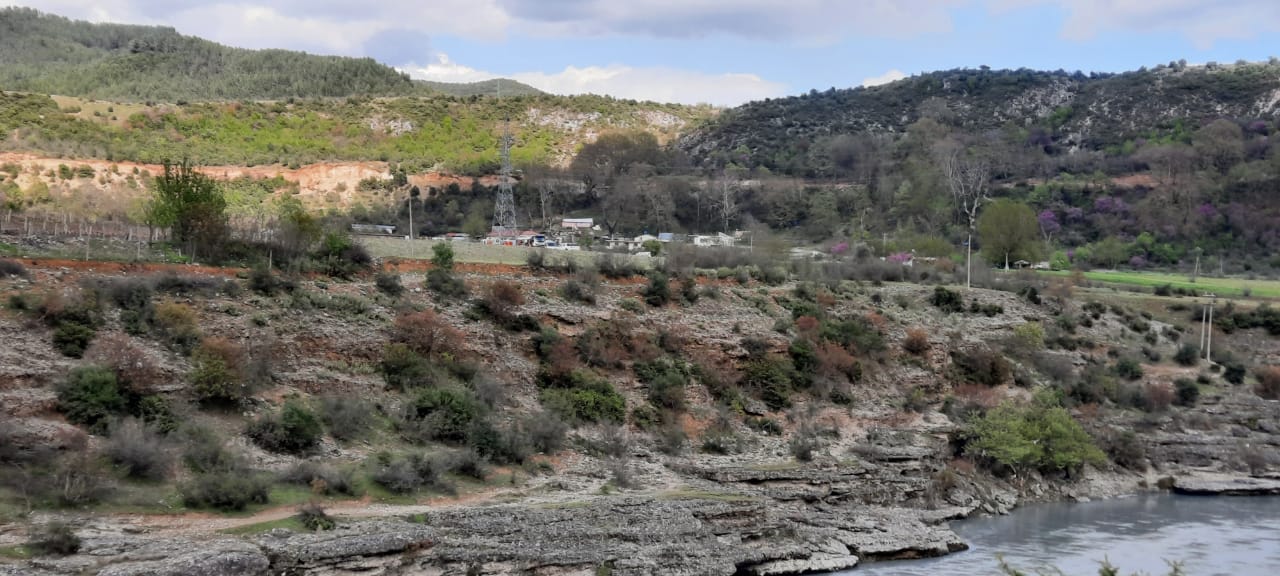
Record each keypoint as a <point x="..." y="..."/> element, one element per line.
<point x="504" y="206"/>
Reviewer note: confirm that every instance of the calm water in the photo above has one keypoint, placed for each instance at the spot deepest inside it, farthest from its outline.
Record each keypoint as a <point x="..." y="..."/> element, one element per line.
<point x="1209" y="535"/>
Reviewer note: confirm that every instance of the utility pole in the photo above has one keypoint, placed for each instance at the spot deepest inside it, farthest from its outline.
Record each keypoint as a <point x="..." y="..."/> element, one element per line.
<point x="1204" y="319"/>
<point x="409" y="199"/>
<point x="1208" y="347"/>
<point x="968" y="261"/>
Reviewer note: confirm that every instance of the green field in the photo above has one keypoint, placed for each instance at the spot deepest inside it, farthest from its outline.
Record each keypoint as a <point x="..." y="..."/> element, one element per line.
<point x="1203" y="285"/>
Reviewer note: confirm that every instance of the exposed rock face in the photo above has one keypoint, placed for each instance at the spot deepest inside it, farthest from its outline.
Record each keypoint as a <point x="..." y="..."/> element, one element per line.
<point x="1218" y="484"/>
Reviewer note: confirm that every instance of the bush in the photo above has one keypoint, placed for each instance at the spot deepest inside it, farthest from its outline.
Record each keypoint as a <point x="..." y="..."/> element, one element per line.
<point x="770" y="377"/>
<point x="916" y="342"/>
<point x="138" y="451"/>
<point x="1128" y="368"/>
<point x="322" y="479"/>
<point x="440" y="414"/>
<point x="347" y="417"/>
<point x="427" y="334"/>
<point x="658" y="291"/>
<point x="442" y="256"/>
<point x="389" y="283"/>
<point x="12" y="268"/>
<point x="228" y="491"/>
<point x="314" y="518"/>
<point x="1039" y="436"/>
<point x="666" y="382"/>
<point x="216" y="376"/>
<point x="1127" y="450"/>
<point x="296" y="429"/>
<point x="981" y="366"/>
<point x="177" y="326"/>
<point x="54" y="539"/>
<point x="341" y="257"/>
<point x="72" y="338"/>
<point x="406" y="474"/>
<point x="203" y="451"/>
<point x="581" y="396"/>
<point x="1233" y="372"/>
<point x="91" y="396"/>
<point x="444" y="284"/>
<point x="1268" y="382"/>
<point x="1186" y="391"/>
<point x="263" y="281"/>
<point x="948" y="301"/>
<point x="135" y="370"/>
<point x="614" y="266"/>
<point x="582" y="288"/>
<point x="1187" y="355"/>
<point x="804" y="442"/>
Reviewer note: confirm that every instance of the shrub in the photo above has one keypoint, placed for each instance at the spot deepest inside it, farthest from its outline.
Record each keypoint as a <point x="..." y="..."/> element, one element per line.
<point x="135" y="370"/>
<point x="54" y="539"/>
<point x="1038" y="436"/>
<point x="406" y="474"/>
<point x="1159" y="396"/>
<point x="402" y="368"/>
<point x="313" y="517"/>
<point x="804" y="442"/>
<point x="948" y="301"/>
<point x="217" y="375"/>
<point x="442" y="256"/>
<point x="1128" y="368"/>
<point x="499" y="303"/>
<point x="177" y="326"/>
<point x="1126" y="450"/>
<point x="614" y="266"/>
<point x="468" y="463"/>
<point x="138" y="451"/>
<point x="771" y="378"/>
<point x="389" y="283"/>
<point x="582" y="396"/>
<point x="263" y="281"/>
<point x="1233" y="372"/>
<point x="347" y="417"/>
<point x="203" y="451"/>
<point x="582" y="288"/>
<point x="12" y="268"/>
<point x="341" y="257"/>
<point x="1029" y="336"/>
<point x="296" y="429"/>
<point x="658" y="291"/>
<point x="1187" y="355"/>
<point x="981" y="366"/>
<point x="666" y="382"/>
<point x="1268" y="382"/>
<point x="72" y="338"/>
<point x="91" y="396"/>
<point x="631" y="305"/>
<point x="226" y="490"/>
<point x="322" y="479"/>
<point x="427" y="334"/>
<point x="444" y="284"/>
<point x="440" y="414"/>
<point x="1186" y="391"/>
<point x="916" y="342"/>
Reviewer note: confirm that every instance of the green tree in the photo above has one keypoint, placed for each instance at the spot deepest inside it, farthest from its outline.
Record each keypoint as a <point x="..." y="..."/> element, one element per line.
<point x="1109" y="251"/>
<point x="191" y="205"/>
<point x="1042" y="435"/>
<point x="1009" y="231"/>
<point x="442" y="256"/>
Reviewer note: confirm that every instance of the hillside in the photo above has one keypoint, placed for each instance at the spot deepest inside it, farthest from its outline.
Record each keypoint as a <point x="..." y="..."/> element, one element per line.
<point x="179" y="419"/>
<point x="482" y="88"/>
<point x="1077" y="111"/>
<point x="459" y="134"/>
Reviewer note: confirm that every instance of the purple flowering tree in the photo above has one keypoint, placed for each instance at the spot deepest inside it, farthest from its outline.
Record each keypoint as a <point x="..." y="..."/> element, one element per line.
<point x="1048" y="225"/>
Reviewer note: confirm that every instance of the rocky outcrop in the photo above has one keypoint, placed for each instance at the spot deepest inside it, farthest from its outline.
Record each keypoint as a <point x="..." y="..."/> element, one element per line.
<point x="1224" y="485"/>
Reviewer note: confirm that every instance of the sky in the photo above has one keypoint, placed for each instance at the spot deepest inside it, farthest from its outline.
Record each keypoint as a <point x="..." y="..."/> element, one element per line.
<point x="721" y="52"/>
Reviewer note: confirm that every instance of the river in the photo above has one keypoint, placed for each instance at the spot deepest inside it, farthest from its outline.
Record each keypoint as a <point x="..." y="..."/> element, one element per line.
<point x="1210" y="535"/>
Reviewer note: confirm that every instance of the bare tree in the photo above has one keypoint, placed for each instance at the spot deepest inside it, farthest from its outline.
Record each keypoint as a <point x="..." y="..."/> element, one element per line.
<point x="726" y="200"/>
<point x="968" y="175"/>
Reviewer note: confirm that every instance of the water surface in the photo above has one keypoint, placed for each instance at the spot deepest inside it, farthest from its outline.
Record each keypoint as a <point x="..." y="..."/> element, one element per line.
<point x="1210" y="535"/>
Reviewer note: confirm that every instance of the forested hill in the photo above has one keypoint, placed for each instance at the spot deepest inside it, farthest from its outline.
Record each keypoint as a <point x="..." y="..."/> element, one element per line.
<point x="50" y="54"/>
<point x="1065" y="111"/>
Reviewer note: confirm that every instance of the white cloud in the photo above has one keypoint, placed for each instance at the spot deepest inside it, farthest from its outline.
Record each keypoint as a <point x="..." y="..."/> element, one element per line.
<point x="1202" y="21"/>
<point x="658" y="84"/>
<point x="887" y="77"/>
<point x="446" y="70"/>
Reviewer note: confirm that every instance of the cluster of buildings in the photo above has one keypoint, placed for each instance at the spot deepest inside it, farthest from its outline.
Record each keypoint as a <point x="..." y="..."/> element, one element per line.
<point x="569" y="236"/>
